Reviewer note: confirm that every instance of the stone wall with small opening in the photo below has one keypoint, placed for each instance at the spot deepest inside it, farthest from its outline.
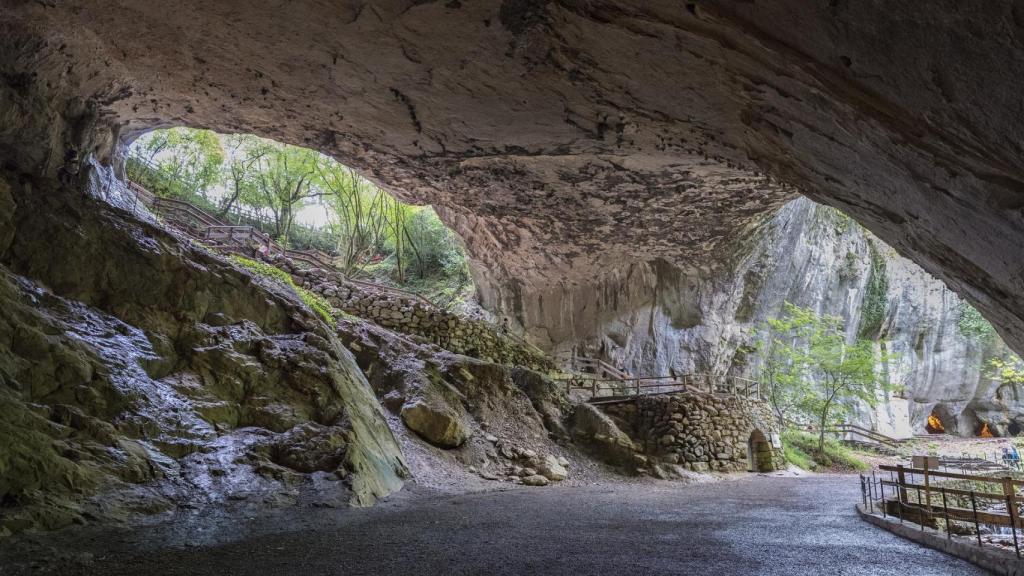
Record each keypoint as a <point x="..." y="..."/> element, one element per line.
<point x="697" y="431"/>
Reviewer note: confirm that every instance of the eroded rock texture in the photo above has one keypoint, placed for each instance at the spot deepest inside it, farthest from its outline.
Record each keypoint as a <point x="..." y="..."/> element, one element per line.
<point x="566" y="140"/>
<point x="140" y="375"/>
<point x="658" y="320"/>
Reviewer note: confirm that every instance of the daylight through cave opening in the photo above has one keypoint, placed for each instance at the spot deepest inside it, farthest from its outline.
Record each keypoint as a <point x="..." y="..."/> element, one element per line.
<point x="258" y="197"/>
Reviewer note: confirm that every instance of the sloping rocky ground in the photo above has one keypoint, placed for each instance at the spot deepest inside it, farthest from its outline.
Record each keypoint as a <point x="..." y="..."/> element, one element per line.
<point x="140" y="375"/>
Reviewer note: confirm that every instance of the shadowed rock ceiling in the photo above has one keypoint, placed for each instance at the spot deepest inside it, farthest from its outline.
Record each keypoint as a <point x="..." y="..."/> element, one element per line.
<point x="566" y="139"/>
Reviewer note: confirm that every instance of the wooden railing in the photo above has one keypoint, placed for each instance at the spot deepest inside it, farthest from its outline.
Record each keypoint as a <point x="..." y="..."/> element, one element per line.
<point x="869" y="435"/>
<point x="594" y="366"/>
<point x="913" y="496"/>
<point x="618" y="389"/>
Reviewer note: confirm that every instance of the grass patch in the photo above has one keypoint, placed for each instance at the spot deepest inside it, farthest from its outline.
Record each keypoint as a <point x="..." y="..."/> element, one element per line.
<point x="315" y="302"/>
<point x="801" y="449"/>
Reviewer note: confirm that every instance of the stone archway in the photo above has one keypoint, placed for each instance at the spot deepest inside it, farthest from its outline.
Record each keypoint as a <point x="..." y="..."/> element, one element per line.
<point x="759" y="453"/>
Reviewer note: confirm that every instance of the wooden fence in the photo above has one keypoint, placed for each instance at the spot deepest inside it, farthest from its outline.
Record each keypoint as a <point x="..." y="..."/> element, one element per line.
<point x="914" y="495"/>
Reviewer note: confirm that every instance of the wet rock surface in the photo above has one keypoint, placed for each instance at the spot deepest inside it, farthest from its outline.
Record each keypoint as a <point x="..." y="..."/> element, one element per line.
<point x="757" y="526"/>
<point x="138" y="375"/>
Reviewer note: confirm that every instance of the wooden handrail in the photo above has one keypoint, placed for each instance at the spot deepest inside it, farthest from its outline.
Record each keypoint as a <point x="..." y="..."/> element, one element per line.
<point x="951" y="475"/>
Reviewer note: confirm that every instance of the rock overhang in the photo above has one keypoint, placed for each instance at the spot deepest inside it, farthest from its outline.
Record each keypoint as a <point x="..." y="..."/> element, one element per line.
<point x="567" y="140"/>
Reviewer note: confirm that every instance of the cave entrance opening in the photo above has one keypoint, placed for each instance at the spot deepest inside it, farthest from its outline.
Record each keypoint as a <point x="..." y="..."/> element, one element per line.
<point x="249" y="195"/>
<point x="759" y="453"/>
<point x="940" y="421"/>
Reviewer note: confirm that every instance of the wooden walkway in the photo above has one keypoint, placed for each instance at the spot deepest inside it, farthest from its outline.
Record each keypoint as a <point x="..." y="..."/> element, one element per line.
<point x="606" y="384"/>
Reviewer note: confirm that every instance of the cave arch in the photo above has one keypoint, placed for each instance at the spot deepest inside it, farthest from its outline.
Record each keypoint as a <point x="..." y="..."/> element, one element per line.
<point x="941" y="420"/>
<point x="759" y="453"/>
<point x="559" y="157"/>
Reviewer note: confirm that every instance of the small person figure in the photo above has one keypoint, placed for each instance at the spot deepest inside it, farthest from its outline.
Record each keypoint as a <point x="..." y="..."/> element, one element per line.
<point x="505" y="328"/>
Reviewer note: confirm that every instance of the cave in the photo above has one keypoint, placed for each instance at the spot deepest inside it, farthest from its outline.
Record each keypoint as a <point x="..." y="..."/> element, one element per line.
<point x="935" y="425"/>
<point x="611" y="168"/>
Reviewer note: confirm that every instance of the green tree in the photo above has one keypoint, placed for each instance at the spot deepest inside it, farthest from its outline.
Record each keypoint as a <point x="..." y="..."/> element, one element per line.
<point x="240" y="171"/>
<point x="1008" y="371"/>
<point x="187" y="161"/>
<point x="841" y="372"/>
<point x="283" y="184"/>
<point x="782" y="368"/>
<point x="357" y="209"/>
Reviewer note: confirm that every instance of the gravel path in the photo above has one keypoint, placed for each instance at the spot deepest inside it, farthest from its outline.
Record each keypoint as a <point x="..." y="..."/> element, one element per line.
<point x="759" y="525"/>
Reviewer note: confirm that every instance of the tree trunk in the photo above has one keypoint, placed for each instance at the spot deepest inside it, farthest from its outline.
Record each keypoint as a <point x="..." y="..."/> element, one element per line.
<point x="821" y="429"/>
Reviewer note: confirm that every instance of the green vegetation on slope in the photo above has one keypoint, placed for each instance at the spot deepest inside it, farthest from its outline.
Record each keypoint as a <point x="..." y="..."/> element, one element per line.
<point x="315" y="302"/>
<point x="876" y="297"/>
<point x="801" y="449"/>
<point x="246" y="180"/>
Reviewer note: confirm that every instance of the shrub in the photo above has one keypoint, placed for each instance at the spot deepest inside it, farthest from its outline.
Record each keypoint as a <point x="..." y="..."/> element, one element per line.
<point x="314" y="302"/>
<point x="804" y="450"/>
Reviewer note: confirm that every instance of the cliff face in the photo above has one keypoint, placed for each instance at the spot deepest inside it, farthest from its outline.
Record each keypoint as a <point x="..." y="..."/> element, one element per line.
<point x="810" y="255"/>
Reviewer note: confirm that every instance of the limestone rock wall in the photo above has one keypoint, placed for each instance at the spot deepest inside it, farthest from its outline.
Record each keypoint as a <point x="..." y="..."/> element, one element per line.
<point x="670" y="320"/>
<point x="702" y="432"/>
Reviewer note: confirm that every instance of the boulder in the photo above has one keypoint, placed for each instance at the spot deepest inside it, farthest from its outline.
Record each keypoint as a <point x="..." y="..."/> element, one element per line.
<point x="436" y="420"/>
<point x="535" y="480"/>
<point x="552" y="469"/>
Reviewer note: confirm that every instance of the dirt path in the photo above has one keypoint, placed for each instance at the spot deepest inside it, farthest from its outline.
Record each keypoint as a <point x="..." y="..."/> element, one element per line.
<point x="760" y="525"/>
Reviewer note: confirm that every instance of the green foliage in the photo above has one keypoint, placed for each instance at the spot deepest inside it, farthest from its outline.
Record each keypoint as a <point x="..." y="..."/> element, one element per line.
<point x="265" y="184"/>
<point x="973" y="325"/>
<point x="803" y="450"/>
<point x="439" y="251"/>
<point x="180" y="162"/>
<point x="824" y="375"/>
<point x="1009" y="372"/>
<point x="315" y="302"/>
<point x="848" y="269"/>
<point x="875" y="298"/>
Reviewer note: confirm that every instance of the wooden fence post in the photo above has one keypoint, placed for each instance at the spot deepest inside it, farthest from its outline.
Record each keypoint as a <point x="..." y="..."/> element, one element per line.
<point x="1011" y="500"/>
<point x="902" y="479"/>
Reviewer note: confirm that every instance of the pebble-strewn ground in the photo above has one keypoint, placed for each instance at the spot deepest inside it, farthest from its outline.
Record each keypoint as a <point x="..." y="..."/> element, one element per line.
<point x="757" y="525"/>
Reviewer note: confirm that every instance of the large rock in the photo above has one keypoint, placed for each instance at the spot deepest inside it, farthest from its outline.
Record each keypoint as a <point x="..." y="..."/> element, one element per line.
<point x="552" y="469"/>
<point x="437" y="421"/>
<point x="595" y="429"/>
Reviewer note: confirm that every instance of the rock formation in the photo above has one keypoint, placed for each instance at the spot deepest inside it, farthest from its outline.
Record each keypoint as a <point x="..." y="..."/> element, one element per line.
<point x="128" y="358"/>
<point x="812" y="256"/>
<point x="587" y="153"/>
<point x="566" y="140"/>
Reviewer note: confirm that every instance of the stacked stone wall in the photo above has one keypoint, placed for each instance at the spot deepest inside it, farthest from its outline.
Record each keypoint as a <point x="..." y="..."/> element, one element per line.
<point x="701" y="432"/>
<point x="410" y="315"/>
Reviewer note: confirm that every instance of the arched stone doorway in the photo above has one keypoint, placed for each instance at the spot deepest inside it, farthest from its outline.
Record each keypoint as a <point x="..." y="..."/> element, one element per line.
<point x="759" y="453"/>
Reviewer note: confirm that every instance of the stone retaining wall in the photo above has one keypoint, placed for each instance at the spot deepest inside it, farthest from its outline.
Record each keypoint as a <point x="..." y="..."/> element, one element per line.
<point x="702" y="432"/>
<point x="410" y="315"/>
